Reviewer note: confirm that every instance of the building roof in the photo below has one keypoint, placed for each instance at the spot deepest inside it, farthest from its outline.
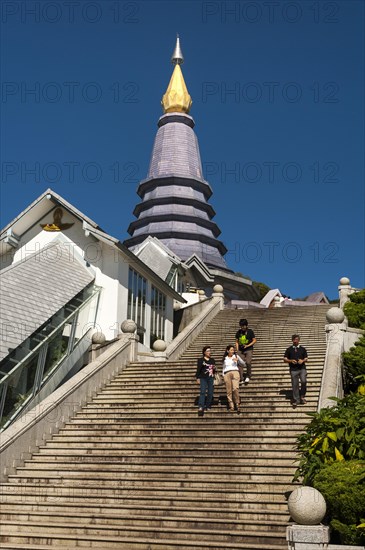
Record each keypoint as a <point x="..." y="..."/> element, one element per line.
<point x="158" y="257"/>
<point x="135" y="262"/>
<point x="45" y="203"/>
<point x="317" y="297"/>
<point x="34" y="289"/>
<point x="269" y="296"/>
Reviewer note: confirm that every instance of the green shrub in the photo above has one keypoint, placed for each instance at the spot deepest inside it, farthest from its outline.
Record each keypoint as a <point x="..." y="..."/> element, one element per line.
<point x="334" y="434"/>
<point x="355" y="309"/>
<point x="343" y="486"/>
<point x="358" y="297"/>
<point x="261" y="288"/>
<point x="354" y="365"/>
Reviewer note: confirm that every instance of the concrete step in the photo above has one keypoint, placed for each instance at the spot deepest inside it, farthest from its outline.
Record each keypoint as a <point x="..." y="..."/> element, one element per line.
<point x="106" y="543"/>
<point x="245" y="436"/>
<point x="256" y="406"/>
<point x="46" y="464"/>
<point x="197" y="453"/>
<point x="168" y="447"/>
<point x="97" y="533"/>
<point x="210" y="423"/>
<point x="138" y="519"/>
<point x="257" y="493"/>
<point x="111" y="457"/>
<point x="44" y="494"/>
<point x="165" y="431"/>
<point x="165" y="477"/>
<point x="237" y="515"/>
<point x="251" y="392"/>
<point x="109" y="414"/>
<point x="234" y="486"/>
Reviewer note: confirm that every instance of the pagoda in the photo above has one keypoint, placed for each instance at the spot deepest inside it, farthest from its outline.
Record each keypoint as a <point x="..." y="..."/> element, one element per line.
<point x="174" y="198"/>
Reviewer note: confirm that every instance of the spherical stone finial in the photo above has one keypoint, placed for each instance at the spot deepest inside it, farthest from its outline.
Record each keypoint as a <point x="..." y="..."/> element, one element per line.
<point x="307" y="506"/>
<point x="345" y="281"/>
<point x="98" y="338"/>
<point x="277" y="299"/>
<point x="128" y="326"/>
<point x="218" y="289"/>
<point x="201" y="292"/>
<point x="335" y="315"/>
<point x="159" y="345"/>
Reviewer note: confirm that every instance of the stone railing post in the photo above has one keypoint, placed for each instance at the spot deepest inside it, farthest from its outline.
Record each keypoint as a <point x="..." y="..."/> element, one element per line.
<point x="307" y="508"/>
<point x="129" y="328"/>
<point x="332" y="371"/>
<point x="344" y="291"/>
<point x="218" y="293"/>
<point x="97" y="339"/>
<point x="277" y="302"/>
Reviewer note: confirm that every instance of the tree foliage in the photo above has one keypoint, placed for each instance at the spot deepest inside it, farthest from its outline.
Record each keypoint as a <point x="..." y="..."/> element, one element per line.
<point x="262" y="288"/>
<point x="354" y="365"/>
<point x="333" y="435"/>
<point x="355" y="309"/>
<point x="343" y="486"/>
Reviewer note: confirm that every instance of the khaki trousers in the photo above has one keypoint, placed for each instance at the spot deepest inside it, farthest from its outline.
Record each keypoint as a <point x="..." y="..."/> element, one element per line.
<point x="246" y="356"/>
<point x="232" y="381"/>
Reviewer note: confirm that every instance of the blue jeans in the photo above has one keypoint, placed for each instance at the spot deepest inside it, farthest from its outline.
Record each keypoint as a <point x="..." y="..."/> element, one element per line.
<point x="206" y="386"/>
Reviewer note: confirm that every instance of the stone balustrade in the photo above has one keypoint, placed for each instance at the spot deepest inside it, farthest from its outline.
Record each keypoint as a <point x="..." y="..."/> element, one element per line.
<point x="306" y="505"/>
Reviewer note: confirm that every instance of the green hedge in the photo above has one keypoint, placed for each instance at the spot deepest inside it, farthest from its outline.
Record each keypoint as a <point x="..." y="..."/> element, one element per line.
<point x="343" y="486"/>
<point x="354" y="365"/>
<point x="355" y="309"/>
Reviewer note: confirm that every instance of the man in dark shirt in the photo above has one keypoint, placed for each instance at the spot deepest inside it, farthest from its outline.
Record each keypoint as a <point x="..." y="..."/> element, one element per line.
<point x="296" y="356"/>
<point x="245" y="340"/>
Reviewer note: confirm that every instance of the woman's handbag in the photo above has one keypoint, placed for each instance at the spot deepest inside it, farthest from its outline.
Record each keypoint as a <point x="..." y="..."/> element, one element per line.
<point x="217" y="379"/>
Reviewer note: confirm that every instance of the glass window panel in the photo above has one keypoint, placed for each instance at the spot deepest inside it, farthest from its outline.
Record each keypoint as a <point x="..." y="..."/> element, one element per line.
<point x="20" y="387"/>
<point x="55" y="352"/>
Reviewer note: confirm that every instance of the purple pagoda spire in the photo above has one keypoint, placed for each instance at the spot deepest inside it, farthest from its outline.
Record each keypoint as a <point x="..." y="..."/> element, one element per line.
<point x="174" y="198"/>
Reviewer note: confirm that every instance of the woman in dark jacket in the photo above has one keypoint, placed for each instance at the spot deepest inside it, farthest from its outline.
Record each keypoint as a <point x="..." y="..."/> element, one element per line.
<point x="205" y="377"/>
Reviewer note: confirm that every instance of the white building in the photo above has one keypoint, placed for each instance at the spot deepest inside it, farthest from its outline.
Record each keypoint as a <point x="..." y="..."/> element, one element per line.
<point x="62" y="277"/>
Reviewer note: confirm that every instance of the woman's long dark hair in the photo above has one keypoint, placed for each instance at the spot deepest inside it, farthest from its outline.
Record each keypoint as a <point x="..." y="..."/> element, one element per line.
<point x="227" y="350"/>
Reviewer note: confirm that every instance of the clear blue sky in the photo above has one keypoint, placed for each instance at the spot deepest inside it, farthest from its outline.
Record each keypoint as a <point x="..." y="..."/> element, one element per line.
<point x="277" y="90"/>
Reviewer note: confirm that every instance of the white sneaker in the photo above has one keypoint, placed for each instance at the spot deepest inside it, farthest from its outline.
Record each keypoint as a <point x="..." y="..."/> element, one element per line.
<point x="247" y="380"/>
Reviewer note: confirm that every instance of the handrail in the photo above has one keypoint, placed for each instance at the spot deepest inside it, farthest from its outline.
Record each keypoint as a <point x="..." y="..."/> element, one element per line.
<point x="177" y="347"/>
<point x="331" y="385"/>
<point x="25" y="359"/>
<point x="32" y="429"/>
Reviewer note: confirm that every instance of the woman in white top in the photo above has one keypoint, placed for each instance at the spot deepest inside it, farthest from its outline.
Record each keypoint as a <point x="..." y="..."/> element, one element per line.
<point x="231" y="376"/>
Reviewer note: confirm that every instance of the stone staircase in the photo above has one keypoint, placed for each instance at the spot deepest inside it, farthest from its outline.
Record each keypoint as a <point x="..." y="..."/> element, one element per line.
<point x="136" y="468"/>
